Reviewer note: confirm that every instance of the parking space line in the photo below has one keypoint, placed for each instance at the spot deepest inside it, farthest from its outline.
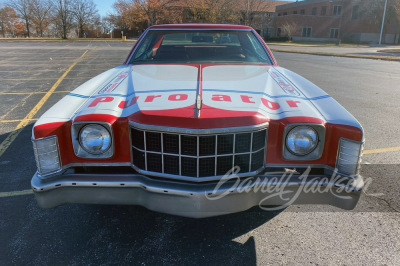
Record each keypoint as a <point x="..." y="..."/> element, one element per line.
<point x="31" y="93"/>
<point x="13" y="135"/>
<point x="16" y="193"/>
<point x="29" y="79"/>
<point x="15" y="121"/>
<point x="378" y="151"/>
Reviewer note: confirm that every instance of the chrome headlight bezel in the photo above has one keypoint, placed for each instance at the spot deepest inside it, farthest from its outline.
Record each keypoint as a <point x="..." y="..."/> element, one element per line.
<point x="313" y="155"/>
<point x="81" y="152"/>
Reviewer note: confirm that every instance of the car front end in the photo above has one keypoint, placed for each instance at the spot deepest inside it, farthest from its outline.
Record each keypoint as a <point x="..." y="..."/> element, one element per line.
<point x="186" y="137"/>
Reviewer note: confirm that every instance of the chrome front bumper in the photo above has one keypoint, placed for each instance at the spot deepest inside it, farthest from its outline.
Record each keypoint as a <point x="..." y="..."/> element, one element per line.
<point x="195" y="200"/>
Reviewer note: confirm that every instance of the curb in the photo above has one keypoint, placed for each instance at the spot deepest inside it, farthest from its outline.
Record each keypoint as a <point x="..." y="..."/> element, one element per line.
<point x="395" y="59"/>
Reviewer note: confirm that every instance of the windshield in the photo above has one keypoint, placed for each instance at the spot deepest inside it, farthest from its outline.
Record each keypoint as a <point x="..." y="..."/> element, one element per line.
<point x="200" y="47"/>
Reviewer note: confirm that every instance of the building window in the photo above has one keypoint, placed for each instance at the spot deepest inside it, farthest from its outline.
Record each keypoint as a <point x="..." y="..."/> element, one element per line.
<point x="303" y="11"/>
<point x="334" y="33"/>
<point x="323" y="11"/>
<point x="314" y="11"/>
<point x="355" y="13"/>
<point x="307" y="32"/>
<point x="295" y="12"/>
<point x="337" y="10"/>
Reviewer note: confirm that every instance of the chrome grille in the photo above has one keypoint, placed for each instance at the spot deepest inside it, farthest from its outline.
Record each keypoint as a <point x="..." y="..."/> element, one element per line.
<point x="197" y="156"/>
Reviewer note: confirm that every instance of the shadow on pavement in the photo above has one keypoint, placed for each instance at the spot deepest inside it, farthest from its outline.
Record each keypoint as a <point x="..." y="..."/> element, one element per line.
<point x="91" y="234"/>
<point x="100" y="234"/>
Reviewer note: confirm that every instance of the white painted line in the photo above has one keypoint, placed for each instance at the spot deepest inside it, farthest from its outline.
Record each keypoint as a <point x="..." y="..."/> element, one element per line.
<point x="13" y="135"/>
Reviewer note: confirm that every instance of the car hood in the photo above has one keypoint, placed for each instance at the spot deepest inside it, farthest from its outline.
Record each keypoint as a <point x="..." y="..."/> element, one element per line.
<point x="146" y="93"/>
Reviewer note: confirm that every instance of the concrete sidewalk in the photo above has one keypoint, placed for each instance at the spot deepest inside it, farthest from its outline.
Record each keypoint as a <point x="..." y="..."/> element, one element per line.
<point x="390" y="53"/>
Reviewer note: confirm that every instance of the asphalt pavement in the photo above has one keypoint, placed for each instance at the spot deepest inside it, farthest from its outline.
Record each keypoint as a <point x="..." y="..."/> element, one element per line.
<point x="126" y="235"/>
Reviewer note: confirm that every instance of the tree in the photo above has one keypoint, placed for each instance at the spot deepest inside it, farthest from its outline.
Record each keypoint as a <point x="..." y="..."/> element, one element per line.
<point x="41" y="15"/>
<point x="289" y="28"/>
<point x="23" y="8"/>
<point x="10" y="22"/>
<point x="63" y="17"/>
<point x="85" y="14"/>
<point x="153" y="11"/>
<point x="372" y="13"/>
<point x="214" y="11"/>
<point x="108" y="25"/>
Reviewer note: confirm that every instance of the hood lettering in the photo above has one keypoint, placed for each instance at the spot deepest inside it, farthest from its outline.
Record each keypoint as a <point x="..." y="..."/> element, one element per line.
<point x="222" y="99"/>
<point x="178" y="98"/>
<point x="97" y="101"/>
<point x="125" y="105"/>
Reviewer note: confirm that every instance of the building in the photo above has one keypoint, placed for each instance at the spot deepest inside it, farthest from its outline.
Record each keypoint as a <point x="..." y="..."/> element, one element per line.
<point x="258" y="14"/>
<point x="335" y="21"/>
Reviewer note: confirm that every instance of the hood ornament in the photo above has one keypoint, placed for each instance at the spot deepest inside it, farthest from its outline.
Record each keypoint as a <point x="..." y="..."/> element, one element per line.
<point x="199" y="100"/>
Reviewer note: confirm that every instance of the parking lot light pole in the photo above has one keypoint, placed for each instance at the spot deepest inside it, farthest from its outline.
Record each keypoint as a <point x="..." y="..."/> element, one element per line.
<point x="383" y="22"/>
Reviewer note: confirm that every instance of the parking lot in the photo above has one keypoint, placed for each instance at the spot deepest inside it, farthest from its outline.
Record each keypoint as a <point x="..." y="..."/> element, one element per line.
<point x="35" y="75"/>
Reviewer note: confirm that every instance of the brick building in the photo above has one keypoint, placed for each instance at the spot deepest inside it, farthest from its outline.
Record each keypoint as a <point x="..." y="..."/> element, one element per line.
<point x="259" y="14"/>
<point x="334" y="20"/>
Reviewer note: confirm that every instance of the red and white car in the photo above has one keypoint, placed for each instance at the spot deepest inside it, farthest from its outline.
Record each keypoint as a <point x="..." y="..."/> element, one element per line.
<point x="199" y="121"/>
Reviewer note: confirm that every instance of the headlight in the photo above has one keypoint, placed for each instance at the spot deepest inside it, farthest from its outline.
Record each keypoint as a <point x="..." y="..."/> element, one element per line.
<point x="95" y="139"/>
<point x="301" y="140"/>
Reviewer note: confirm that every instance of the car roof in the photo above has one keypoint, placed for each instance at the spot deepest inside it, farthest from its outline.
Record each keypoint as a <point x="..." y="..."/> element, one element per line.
<point x="200" y="27"/>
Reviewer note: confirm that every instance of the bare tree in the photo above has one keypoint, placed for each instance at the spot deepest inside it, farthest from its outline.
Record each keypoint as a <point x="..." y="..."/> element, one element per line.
<point x="108" y="25"/>
<point x="289" y="28"/>
<point x="41" y="15"/>
<point x="372" y="13"/>
<point x="23" y="8"/>
<point x="251" y="8"/>
<point x="63" y="17"/>
<point x="85" y="14"/>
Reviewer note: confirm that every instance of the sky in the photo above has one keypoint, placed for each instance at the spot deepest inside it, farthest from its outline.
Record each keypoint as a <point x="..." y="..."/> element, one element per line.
<point x="104" y="7"/>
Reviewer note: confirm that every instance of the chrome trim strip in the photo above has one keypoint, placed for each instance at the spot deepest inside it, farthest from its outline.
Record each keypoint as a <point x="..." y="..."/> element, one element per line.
<point x="198" y="157"/>
<point x="187" y="131"/>
<point x="251" y="150"/>
<point x="194" y="179"/>
<point x="203" y="156"/>
<point x="180" y="154"/>
<point x="162" y="152"/>
<point x="145" y="150"/>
